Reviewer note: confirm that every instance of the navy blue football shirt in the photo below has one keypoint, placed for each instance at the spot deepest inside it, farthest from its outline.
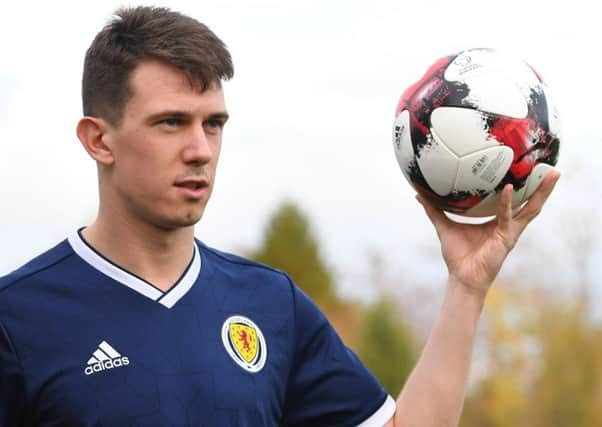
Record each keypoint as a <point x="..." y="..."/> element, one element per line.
<point x="233" y="343"/>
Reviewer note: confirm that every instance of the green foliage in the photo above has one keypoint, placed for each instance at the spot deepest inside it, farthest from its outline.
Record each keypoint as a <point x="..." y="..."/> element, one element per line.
<point x="498" y="400"/>
<point x="386" y="347"/>
<point x="543" y="356"/>
<point x="568" y="391"/>
<point x="289" y="245"/>
<point x="553" y="381"/>
<point x="380" y="338"/>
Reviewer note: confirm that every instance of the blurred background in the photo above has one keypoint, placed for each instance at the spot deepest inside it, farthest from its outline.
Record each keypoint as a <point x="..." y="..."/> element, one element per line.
<point x="308" y="181"/>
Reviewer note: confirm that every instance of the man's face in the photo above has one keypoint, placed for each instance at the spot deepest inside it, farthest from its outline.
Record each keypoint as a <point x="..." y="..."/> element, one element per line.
<point x="167" y="147"/>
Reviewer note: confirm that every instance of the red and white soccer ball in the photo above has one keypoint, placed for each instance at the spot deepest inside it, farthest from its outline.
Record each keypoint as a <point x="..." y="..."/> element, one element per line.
<point x="474" y="122"/>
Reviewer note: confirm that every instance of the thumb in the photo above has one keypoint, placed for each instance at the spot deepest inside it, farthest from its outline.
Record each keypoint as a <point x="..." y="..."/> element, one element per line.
<point x="436" y="216"/>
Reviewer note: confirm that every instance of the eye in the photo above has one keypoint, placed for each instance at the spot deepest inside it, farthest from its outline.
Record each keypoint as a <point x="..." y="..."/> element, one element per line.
<point x="171" y="122"/>
<point x="213" y="125"/>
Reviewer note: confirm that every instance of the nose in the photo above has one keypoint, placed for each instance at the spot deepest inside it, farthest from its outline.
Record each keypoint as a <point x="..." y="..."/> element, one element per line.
<point x="197" y="150"/>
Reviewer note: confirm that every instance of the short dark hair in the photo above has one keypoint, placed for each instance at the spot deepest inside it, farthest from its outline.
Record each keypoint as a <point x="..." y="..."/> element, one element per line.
<point x="144" y="33"/>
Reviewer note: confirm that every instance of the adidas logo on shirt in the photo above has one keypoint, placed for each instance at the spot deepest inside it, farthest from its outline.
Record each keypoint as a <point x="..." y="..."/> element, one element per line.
<point x="105" y="357"/>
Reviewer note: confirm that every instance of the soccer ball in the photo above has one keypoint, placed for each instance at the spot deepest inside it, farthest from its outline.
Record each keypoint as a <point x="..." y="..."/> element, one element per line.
<point x="476" y="121"/>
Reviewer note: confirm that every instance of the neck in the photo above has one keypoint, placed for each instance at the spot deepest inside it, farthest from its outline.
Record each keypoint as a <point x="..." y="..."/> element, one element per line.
<point x="157" y="255"/>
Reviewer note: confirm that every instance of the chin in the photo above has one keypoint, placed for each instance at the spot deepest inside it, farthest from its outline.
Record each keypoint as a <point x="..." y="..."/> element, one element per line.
<point x="187" y="220"/>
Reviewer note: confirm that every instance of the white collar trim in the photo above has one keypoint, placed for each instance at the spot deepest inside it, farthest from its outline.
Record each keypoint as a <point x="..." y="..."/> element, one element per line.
<point x="168" y="299"/>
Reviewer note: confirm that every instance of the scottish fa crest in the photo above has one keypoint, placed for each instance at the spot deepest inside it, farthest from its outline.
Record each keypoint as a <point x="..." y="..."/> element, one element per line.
<point x="244" y="343"/>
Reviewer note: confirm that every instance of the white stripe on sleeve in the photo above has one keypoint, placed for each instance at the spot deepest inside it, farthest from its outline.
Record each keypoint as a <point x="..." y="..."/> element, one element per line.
<point x="382" y="415"/>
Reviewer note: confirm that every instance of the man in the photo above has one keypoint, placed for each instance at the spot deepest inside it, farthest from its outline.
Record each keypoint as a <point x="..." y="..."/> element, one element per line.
<point x="133" y="322"/>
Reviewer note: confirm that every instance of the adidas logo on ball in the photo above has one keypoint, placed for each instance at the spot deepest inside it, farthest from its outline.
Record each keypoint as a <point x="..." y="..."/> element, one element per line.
<point x="104" y="358"/>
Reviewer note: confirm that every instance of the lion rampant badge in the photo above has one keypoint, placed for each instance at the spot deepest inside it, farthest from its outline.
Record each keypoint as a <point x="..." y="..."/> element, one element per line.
<point x="245" y="343"/>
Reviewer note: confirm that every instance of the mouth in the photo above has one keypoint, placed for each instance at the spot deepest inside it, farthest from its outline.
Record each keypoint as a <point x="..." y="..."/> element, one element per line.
<point x="191" y="185"/>
<point x="192" y="188"/>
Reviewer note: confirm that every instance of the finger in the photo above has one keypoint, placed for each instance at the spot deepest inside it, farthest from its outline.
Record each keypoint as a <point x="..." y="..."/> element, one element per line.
<point x="504" y="208"/>
<point x="437" y="217"/>
<point x="535" y="203"/>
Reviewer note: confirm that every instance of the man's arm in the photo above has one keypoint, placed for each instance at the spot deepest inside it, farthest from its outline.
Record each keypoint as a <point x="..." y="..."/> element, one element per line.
<point x="474" y="254"/>
<point x="12" y="388"/>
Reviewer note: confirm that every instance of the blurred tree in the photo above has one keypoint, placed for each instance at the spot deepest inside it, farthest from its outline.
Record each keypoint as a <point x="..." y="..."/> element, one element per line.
<point x="506" y="360"/>
<point x="290" y="245"/>
<point x="376" y="334"/>
<point x="544" y="364"/>
<point x="568" y="392"/>
<point x="386" y="346"/>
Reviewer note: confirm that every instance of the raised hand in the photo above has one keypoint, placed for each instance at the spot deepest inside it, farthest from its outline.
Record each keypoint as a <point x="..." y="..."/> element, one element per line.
<point x="474" y="253"/>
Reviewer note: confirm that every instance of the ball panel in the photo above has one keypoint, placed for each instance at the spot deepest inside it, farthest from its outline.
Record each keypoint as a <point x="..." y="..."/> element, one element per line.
<point x="456" y="202"/>
<point x="479" y="61"/>
<point x="527" y="140"/>
<point x="463" y="130"/>
<point x="533" y="181"/>
<point x="484" y="170"/>
<point x="402" y="143"/>
<point x="492" y="125"/>
<point x="439" y="165"/>
<point x="554" y="123"/>
<point x="479" y="68"/>
<point x="503" y="98"/>
<point x="468" y="63"/>
<point x="488" y="206"/>
<point x="432" y="77"/>
<point x="522" y="74"/>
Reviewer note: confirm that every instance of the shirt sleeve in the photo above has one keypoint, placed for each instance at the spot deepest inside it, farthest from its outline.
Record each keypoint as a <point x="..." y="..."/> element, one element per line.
<point x="328" y="384"/>
<point x="12" y="390"/>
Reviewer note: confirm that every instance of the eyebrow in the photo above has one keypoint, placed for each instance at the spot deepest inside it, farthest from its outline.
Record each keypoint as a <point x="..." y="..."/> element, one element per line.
<point x="220" y="115"/>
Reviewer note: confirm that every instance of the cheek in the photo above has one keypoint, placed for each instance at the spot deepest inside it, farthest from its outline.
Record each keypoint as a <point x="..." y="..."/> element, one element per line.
<point x="142" y="167"/>
<point x="217" y="149"/>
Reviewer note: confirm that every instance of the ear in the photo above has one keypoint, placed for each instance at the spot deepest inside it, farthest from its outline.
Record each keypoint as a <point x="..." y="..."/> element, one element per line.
<point x="94" y="134"/>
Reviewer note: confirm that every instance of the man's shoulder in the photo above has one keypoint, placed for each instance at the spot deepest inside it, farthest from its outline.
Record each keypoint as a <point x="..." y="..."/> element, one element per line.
<point x="39" y="265"/>
<point x="239" y="264"/>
